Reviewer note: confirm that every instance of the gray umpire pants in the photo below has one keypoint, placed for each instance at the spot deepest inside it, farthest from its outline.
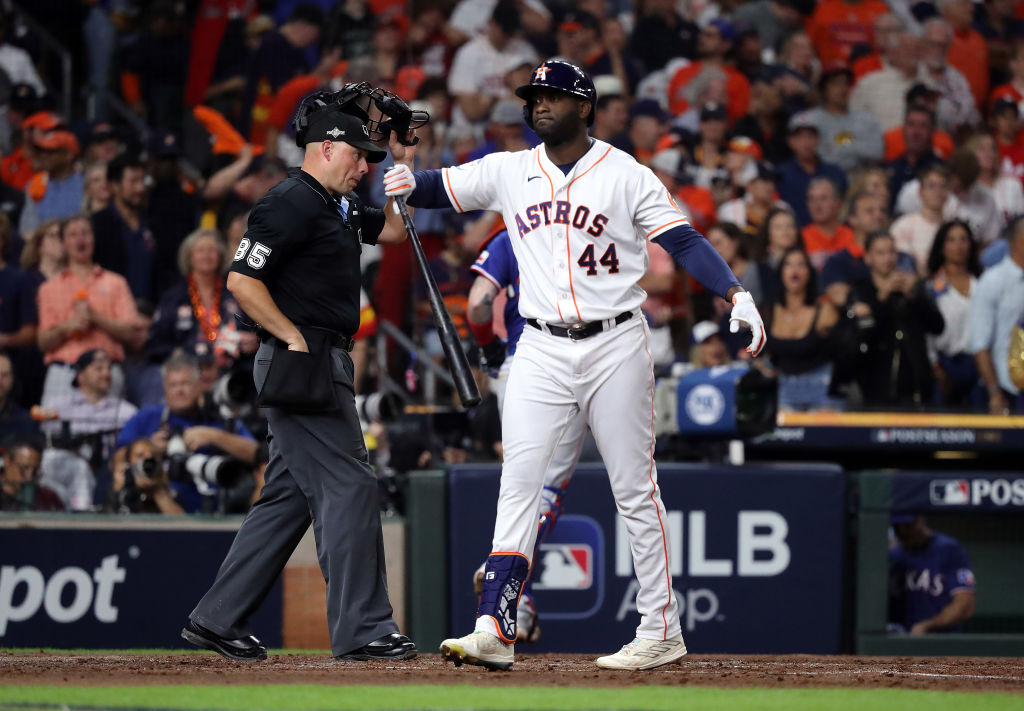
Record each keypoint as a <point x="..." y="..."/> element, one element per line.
<point x="318" y="472"/>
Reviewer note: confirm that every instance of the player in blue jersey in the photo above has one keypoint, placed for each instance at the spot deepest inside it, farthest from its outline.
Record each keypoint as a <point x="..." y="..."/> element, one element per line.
<point x="931" y="585"/>
<point x="497" y="271"/>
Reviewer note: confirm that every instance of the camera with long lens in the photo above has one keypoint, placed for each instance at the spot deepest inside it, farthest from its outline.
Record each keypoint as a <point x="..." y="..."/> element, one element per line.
<point x="379" y="407"/>
<point x="234" y="394"/>
<point x="204" y="470"/>
<point x="131" y="498"/>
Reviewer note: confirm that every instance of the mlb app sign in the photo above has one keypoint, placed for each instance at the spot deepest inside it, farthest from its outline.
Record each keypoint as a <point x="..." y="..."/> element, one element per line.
<point x="569" y="569"/>
<point x="755" y="554"/>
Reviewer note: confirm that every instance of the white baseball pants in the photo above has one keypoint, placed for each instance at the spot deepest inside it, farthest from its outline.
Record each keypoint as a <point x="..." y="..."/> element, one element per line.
<point x="608" y="378"/>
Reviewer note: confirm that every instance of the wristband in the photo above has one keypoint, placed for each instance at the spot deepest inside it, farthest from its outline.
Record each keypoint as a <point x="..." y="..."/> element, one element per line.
<point x="482" y="332"/>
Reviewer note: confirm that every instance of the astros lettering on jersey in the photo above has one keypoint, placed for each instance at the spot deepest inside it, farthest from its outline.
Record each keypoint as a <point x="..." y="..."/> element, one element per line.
<point x="580" y="263"/>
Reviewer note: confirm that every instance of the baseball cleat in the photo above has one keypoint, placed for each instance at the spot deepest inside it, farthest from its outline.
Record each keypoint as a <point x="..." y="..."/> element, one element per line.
<point x="641" y="654"/>
<point x="481" y="649"/>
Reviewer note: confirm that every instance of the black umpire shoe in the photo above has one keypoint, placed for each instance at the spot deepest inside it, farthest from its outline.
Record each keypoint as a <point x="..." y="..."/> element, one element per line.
<point x="245" y="649"/>
<point x="390" y="646"/>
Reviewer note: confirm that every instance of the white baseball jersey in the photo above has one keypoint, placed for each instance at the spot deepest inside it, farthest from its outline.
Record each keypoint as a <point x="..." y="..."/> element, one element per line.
<point x="581" y="238"/>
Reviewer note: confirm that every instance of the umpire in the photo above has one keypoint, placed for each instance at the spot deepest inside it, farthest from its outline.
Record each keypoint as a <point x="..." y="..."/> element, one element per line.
<point x="296" y="273"/>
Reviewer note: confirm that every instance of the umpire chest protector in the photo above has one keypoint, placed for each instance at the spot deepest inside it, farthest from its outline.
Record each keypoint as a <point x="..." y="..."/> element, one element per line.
<point x="307" y="253"/>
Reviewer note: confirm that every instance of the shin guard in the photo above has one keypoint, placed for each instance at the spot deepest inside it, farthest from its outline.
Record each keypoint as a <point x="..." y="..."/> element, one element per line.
<point x="503" y="584"/>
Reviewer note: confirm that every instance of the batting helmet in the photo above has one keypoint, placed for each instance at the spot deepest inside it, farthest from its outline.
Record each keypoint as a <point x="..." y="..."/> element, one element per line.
<point x="560" y="75"/>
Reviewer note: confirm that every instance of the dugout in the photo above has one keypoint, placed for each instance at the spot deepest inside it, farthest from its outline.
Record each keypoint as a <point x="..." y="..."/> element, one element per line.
<point x="983" y="511"/>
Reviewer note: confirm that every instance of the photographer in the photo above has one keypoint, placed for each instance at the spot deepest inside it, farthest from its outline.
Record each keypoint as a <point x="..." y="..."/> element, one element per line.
<point x="20" y="489"/>
<point x="193" y="440"/>
<point x="141" y="485"/>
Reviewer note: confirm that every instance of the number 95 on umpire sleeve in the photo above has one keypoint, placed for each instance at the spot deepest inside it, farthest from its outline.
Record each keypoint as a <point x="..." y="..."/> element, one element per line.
<point x="257" y="253"/>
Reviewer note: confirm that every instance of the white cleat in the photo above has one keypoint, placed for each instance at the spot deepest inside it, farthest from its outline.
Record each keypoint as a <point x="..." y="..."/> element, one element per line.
<point x="643" y="654"/>
<point x="480" y="648"/>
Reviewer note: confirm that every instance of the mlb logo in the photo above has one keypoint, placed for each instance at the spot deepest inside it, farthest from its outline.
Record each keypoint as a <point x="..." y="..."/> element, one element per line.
<point x="568" y="570"/>
<point x="564" y="566"/>
<point x="950" y="492"/>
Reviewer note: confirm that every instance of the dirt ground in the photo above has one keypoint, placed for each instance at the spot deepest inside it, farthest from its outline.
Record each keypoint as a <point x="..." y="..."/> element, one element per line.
<point x="996" y="675"/>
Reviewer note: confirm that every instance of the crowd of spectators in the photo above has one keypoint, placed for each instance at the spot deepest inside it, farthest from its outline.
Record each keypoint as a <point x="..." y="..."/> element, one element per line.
<point x="857" y="163"/>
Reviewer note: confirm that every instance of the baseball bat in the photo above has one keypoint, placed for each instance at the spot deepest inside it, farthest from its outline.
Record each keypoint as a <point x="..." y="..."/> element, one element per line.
<point x="465" y="383"/>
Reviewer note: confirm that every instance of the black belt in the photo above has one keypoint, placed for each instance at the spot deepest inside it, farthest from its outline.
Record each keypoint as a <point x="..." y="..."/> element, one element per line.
<point x="579" y="331"/>
<point x="338" y="340"/>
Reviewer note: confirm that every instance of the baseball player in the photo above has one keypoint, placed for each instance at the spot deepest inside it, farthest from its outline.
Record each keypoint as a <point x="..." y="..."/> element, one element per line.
<point x="580" y="213"/>
<point x="497" y="270"/>
<point x="931" y="584"/>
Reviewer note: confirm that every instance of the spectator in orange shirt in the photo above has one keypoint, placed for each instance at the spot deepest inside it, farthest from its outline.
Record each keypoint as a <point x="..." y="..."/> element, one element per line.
<point x="942" y="143"/>
<point x="713" y="45"/>
<point x="969" y="51"/>
<point x="82" y="308"/>
<point x="826" y="235"/>
<point x="837" y="26"/>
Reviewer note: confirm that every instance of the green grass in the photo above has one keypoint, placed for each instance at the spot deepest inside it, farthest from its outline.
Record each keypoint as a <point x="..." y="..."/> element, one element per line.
<point x="305" y="696"/>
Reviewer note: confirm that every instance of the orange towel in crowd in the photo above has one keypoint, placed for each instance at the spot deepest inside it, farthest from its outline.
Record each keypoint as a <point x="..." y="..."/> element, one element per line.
<point x="225" y="138"/>
<point x="16" y="169"/>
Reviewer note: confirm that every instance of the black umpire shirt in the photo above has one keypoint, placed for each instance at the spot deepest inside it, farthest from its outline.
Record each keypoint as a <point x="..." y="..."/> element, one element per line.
<point x="304" y="251"/>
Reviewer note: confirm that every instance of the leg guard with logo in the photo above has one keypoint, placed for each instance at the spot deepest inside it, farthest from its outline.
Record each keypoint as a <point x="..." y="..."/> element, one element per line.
<point x="502" y="585"/>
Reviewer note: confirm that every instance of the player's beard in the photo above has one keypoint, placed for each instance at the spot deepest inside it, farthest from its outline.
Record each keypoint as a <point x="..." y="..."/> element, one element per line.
<point x="559" y="131"/>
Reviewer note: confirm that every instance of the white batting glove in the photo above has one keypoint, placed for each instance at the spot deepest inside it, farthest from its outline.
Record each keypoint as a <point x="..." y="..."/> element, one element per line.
<point x="745" y="313"/>
<point x="399" y="182"/>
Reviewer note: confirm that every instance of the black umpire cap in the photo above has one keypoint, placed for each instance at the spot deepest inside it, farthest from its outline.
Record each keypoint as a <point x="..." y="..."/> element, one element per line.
<point x="334" y="125"/>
